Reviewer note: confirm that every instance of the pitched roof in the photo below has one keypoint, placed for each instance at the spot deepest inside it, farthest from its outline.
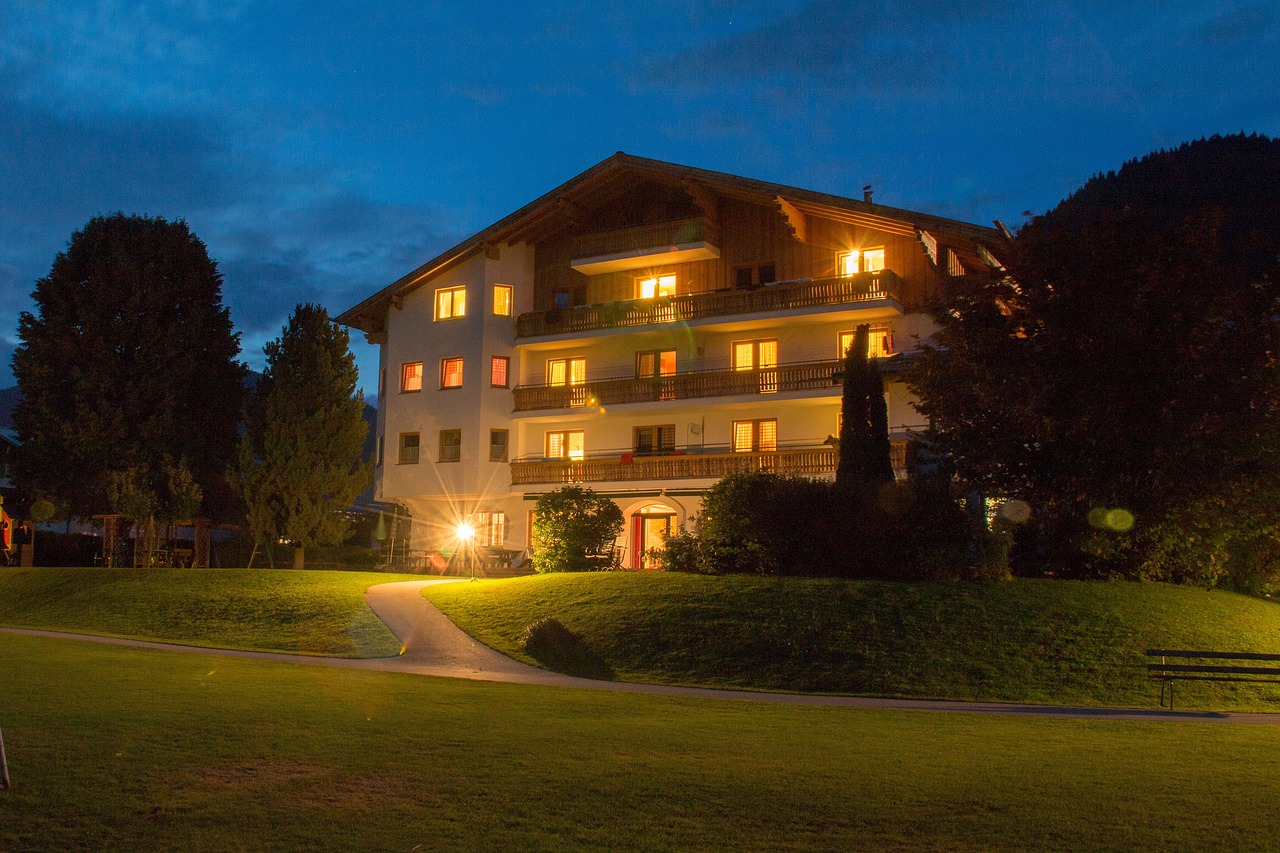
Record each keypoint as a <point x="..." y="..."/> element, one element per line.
<point x="613" y="177"/>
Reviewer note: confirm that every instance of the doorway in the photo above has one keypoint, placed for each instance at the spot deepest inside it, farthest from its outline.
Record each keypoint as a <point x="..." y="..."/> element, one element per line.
<point x="650" y="527"/>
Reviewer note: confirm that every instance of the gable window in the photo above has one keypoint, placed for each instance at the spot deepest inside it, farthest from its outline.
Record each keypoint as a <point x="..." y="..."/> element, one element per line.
<point x="451" y="372"/>
<point x="757" y="436"/>
<point x="498" y="440"/>
<point x="502" y="300"/>
<point x="450" y="445"/>
<point x="411" y="376"/>
<point x="658" y="285"/>
<point x="409" y="448"/>
<point x="759" y="355"/>
<point x="566" y="444"/>
<point x="451" y="302"/>
<point x="860" y="260"/>
<point x="879" y="342"/>
<point x="655" y="439"/>
<point x="499" y="371"/>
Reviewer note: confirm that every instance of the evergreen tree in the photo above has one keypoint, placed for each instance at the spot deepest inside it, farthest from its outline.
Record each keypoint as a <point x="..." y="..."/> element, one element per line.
<point x="300" y="458"/>
<point x="130" y="386"/>
<point x="865" y="463"/>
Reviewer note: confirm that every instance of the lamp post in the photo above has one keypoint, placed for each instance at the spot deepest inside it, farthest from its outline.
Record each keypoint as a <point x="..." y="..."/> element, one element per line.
<point x="466" y="535"/>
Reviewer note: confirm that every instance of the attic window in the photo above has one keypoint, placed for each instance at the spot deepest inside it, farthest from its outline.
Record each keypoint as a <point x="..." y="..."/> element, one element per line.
<point x="954" y="267"/>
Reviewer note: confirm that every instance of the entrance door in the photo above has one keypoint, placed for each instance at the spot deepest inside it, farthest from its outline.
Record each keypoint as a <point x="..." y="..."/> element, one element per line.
<point x="649" y="531"/>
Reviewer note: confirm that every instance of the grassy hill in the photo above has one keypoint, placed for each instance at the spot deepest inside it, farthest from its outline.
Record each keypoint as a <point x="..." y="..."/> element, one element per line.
<point x="319" y="613"/>
<point x="1058" y="642"/>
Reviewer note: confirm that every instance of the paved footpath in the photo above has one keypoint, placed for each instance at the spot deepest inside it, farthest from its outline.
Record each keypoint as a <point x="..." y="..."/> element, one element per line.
<point x="435" y="646"/>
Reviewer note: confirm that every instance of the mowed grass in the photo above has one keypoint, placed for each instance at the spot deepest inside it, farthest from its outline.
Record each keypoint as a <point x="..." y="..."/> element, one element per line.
<point x="319" y="613"/>
<point x="1058" y="642"/>
<point x="122" y="749"/>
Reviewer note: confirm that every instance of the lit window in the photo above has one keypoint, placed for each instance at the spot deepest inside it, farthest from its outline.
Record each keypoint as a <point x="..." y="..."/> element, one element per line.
<point x="502" y="300"/>
<point x="450" y="445"/>
<point x="566" y="371"/>
<point x="661" y="285"/>
<point x="861" y="260"/>
<point x="655" y="439"/>
<point x="451" y="302"/>
<point x="759" y="436"/>
<point x="758" y="355"/>
<point x="411" y="376"/>
<point x="451" y="373"/>
<point x="499" y="369"/>
<point x="879" y="342"/>
<point x="566" y="444"/>
<point x="409" y="448"/>
<point x="498" y="440"/>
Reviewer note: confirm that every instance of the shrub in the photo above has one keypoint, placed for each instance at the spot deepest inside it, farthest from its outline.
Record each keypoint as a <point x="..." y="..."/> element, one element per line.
<point x="575" y="530"/>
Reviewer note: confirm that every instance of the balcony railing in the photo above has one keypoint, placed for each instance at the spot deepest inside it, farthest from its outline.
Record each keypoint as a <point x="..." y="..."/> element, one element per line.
<point x="804" y="461"/>
<point x="657" y="237"/>
<point x="681" y="386"/>
<point x="783" y="296"/>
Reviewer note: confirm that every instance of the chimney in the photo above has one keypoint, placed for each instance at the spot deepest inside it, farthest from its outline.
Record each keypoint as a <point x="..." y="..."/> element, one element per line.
<point x="866" y="193"/>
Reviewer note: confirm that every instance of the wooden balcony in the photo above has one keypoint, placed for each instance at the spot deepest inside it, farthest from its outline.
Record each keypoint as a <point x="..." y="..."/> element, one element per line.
<point x="681" y="386"/>
<point x="878" y="286"/>
<point x="643" y="240"/>
<point x="804" y="461"/>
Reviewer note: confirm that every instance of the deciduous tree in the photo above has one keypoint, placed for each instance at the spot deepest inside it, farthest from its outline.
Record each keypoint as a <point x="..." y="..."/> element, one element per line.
<point x="1130" y="359"/>
<point x="128" y="371"/>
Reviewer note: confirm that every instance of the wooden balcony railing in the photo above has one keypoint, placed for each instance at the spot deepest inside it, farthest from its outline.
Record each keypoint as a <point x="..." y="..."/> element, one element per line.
<point x="658" y="237"/>
<point x="784" y="296"/>
<point x="805" y="461"/>
<point x="681" y="386"/>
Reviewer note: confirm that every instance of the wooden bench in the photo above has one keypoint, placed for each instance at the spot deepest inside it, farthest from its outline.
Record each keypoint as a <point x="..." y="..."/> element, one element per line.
<point x="1208" y="666"/>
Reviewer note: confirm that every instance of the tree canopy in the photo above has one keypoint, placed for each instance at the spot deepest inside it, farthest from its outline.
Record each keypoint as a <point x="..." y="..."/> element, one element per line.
<point x="300" y="457"/>
<point x="131" y="390"/>
<point x="865" y="461"/>
<point x="575" y="529"/>
<point x="1124" y="374"/>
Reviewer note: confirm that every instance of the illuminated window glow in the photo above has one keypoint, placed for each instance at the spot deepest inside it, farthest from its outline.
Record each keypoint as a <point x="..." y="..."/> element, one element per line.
<point x="758" y="436"/>
<point x="499" y="370"/>
<point x="661" y="285"/>
<point x="451" y="302"/>
<point x="451" y="373"/>
<point x="566" y="444"/>
<point x="879" y="342"/>
<point x="860" y="260"/>
<point x="411" y="376"/>
<point x="566" y="371"/>
<point x="502" y="300"/>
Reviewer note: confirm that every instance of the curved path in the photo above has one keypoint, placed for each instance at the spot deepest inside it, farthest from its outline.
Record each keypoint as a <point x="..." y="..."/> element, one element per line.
<point x="432" y="645"/>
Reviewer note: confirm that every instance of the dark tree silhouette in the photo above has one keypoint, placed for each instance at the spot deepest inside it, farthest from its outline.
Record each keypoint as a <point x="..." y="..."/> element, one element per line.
<point x="1129" y="360"/>
<point x="130" y="385"/>
<point x="864" y="464"/>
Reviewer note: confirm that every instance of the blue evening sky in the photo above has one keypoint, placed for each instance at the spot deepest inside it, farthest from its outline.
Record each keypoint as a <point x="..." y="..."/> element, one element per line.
<point x="323" y="149"/>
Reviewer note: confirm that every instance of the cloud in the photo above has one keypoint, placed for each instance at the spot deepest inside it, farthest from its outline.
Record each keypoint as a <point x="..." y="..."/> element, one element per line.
<point x="864" y="45"/>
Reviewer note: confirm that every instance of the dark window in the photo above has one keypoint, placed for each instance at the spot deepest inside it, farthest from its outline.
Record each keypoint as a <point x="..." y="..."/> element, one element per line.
<point x="450" y="445"/>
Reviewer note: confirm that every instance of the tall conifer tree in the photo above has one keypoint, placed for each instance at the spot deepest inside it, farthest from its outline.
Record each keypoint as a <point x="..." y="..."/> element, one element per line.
<point x="864" y="463"/>
<point x="300" y="458"/>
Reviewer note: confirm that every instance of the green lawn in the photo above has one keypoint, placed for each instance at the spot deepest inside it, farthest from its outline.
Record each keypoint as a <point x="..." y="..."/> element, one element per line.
<point x="320" y="613"/>
<point x="1059" y="642"/>
<point x="122" y="749"/>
